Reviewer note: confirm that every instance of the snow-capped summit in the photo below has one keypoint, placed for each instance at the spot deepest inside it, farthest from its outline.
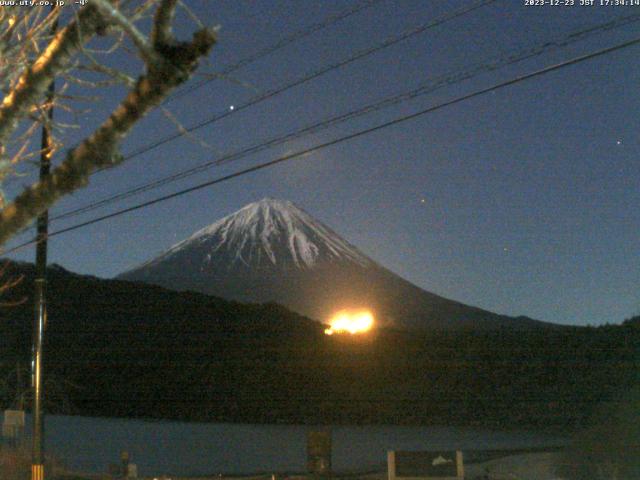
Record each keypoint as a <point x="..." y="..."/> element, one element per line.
<point x="262" y="234"/>
<point x="273" y="251"/>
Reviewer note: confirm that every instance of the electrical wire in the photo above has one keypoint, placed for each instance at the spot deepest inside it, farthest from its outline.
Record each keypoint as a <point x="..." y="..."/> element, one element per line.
<point x="425" y="88"/>
<point x="360" y="133"/>
<point x="393" y="40"/>
<point x="288" y="40"/>
<point x="363" y="53"/>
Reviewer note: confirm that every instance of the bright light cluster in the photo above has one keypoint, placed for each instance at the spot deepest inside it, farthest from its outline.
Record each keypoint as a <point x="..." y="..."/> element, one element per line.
<point x="346" y="321"/>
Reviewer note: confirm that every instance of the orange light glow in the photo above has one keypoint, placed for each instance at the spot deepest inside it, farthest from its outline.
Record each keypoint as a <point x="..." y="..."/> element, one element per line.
<point x="346" y="321"/>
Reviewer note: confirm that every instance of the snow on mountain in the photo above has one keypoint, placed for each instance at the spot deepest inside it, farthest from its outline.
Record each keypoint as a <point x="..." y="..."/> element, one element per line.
<point x="270" y="231"/>
<point x="273" y="251"/>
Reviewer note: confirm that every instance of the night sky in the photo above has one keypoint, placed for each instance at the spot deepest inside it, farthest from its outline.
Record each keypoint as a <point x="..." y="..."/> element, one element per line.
<point x="523" y="201"/>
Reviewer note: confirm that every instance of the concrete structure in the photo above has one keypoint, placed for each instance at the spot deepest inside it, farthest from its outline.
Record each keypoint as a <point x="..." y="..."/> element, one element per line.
<point x="425" y="465"/>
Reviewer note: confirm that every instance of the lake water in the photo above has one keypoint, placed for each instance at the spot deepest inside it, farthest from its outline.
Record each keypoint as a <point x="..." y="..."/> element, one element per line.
<point x="176" y="448"/>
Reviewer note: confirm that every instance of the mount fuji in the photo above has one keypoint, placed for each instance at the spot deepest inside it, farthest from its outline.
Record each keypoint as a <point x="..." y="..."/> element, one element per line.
<point x="273" y="251"/>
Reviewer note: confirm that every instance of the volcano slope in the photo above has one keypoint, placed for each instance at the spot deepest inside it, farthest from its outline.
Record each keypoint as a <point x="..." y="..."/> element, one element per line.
<point x="273" y="251"/>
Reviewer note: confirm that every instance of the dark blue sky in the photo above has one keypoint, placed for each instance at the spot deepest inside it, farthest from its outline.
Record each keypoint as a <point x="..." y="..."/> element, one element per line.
<point x="522" y="201"/>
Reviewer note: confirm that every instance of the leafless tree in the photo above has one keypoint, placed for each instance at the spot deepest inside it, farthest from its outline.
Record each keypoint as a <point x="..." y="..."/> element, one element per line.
<point x="32" y="56"/>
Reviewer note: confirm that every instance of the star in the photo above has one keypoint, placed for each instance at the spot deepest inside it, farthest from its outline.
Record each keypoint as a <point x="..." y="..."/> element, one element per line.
<point x="232" y="107"/>
<point x="422" y="200"/>
<point x="619" y="142"/>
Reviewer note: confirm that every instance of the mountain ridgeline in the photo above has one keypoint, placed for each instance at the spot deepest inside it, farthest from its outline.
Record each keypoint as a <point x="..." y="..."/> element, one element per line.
<point x="128" y="349"/>
<point x="272" y="251"/>
<point x="155" y="346"/>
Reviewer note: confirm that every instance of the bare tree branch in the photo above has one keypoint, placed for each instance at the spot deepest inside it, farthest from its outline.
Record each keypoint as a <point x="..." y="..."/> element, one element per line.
<point x="177" y="60"/>
<point x="161" y="33"/>
<point x="113" y="15"/>
<point x="36" y="79"/>
<point x="8" y="284"/>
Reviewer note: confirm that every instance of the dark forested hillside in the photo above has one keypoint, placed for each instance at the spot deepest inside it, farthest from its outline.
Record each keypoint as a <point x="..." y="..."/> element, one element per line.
<point x="116" y="348"/>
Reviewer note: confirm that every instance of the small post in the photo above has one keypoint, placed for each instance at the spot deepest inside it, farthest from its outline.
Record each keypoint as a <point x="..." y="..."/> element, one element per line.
<point x="459" y="464"/>
<point x="319" y="453"/>
<point x="124" y="462"/>
<point x="391" y="465"/>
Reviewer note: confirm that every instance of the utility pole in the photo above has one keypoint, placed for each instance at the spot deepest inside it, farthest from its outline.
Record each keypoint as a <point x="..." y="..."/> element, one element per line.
<point x="40" y="321"/>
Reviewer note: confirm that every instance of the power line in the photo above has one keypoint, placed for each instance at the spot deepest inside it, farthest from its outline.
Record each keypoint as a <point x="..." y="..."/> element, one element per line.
<point x="313" y="75"/>
<point x="260" y="98"/>
<point x="361" y="54"/>
<point x="425" y="88"/>
<point x="288" y="40"/>
<point x="339" y="140"/>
